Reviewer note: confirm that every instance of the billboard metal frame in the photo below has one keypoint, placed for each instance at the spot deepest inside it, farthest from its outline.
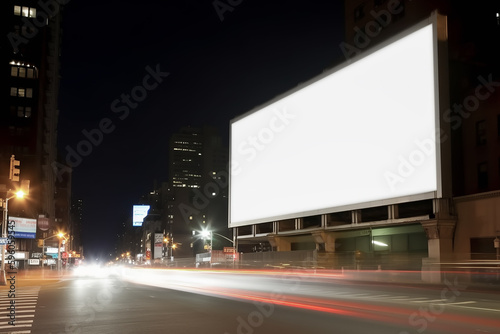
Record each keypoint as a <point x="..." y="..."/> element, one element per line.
<point x="441" y="101"/>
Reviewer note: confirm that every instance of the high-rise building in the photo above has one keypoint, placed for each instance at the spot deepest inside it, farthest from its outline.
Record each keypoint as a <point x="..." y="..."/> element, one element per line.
<point x="28" y="120"/>
<point x="185" y="156"/>
<point x="75" y="231"/>
<point x="197" y="195"/>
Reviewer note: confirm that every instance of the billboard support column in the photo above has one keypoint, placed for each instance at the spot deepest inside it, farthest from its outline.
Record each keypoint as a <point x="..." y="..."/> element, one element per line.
<point x="440" y="247"/>
<point x="356" y="216"/>
<point x="324" y="220"/>
<point x="393" y="211"/>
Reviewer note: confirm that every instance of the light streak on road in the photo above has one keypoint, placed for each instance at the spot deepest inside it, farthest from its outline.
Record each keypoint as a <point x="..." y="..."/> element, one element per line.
<point x="311" y="290"/>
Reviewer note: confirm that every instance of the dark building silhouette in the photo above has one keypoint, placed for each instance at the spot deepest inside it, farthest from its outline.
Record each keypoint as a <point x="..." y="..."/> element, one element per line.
<point x="197" y="194"/>
<point x="30" y="52"/>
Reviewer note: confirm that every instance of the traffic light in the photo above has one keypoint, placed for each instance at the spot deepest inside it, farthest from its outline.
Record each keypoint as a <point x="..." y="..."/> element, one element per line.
<point x="14" y="169"/>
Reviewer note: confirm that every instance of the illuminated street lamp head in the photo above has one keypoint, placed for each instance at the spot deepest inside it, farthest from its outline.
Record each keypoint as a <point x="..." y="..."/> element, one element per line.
<point x="60" y="234"/>
<point x="20" y="194"/>
<point x="205" y="234"/>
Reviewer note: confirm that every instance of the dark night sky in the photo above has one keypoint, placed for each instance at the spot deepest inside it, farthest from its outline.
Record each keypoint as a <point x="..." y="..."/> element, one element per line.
<point x="218" y="70"/>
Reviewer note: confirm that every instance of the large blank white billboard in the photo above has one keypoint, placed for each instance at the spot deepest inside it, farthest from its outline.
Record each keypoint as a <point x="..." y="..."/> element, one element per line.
<point x="361" y="135"/>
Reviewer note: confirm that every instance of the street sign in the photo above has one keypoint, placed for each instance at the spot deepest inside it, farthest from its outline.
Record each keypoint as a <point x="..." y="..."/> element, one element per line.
<point x="4" y="241"/>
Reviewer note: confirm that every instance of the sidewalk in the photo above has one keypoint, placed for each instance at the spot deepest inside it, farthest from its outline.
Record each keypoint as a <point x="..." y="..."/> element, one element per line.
<point x="34" y="277"/>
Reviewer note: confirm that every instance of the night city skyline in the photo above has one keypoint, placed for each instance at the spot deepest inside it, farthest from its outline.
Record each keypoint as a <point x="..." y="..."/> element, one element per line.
<point x="198" y="70"/>
<point x="238" y="166"/>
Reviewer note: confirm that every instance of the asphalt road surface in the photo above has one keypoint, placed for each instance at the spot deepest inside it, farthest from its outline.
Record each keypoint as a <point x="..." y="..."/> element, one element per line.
<point x="227" y="302"/>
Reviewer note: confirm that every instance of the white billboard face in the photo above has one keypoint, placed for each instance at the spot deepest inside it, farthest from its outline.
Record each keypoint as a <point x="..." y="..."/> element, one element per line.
<point x="139" y="213"/>
<point x="361" y="136"/>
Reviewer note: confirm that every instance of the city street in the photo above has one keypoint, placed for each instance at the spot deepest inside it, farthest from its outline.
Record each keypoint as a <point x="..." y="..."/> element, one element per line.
<point x="217" y="301"/>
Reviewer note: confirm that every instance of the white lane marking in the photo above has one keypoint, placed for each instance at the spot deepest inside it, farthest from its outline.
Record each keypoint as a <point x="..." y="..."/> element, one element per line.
<point x="17" y="311"/>
<point x="475" y="308"/>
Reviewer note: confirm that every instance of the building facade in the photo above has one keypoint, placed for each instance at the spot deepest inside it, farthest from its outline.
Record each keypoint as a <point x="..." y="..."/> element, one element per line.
<point x="464" y="223"/>
<point x="197" y="196"/>
<point x="28" y="127"/>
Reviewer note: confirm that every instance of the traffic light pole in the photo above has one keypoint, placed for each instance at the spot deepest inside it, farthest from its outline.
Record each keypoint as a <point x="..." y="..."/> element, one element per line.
<point x="3" y="280"/>
<point x="14" y="172"/>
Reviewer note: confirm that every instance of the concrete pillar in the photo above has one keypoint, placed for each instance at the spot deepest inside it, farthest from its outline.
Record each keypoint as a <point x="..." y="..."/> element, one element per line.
<point x="326" y="238"/>
<point x="440" y="238"/>
<point x="282" y="244"/>
<point x="443" y="208"/>
<point x="440" y="247"/>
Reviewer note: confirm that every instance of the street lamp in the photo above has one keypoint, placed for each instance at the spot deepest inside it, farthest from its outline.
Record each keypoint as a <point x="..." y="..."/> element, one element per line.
<point x="206" y="233"/>
<point x="18" y="194"/>
<point x="174" y="246"/>
<point x="165" y="248"/>
<point x="61" y="236"/>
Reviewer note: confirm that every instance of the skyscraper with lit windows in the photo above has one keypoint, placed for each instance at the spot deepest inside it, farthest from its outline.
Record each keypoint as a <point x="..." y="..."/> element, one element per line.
<point x="197" y="195"/>
<point x="28" y="119"/>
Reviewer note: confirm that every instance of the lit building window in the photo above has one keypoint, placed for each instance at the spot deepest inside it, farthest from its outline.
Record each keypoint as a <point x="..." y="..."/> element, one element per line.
<point x="30" y="73"/>
<point x="25" y="11"/>
<point x="21" y="92"/>
<point x="23" y="71"/>
<point x="23" y="112"/>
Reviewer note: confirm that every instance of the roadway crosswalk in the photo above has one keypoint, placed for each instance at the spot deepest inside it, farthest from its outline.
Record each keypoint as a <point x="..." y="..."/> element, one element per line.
<point x="18" y="310"/>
